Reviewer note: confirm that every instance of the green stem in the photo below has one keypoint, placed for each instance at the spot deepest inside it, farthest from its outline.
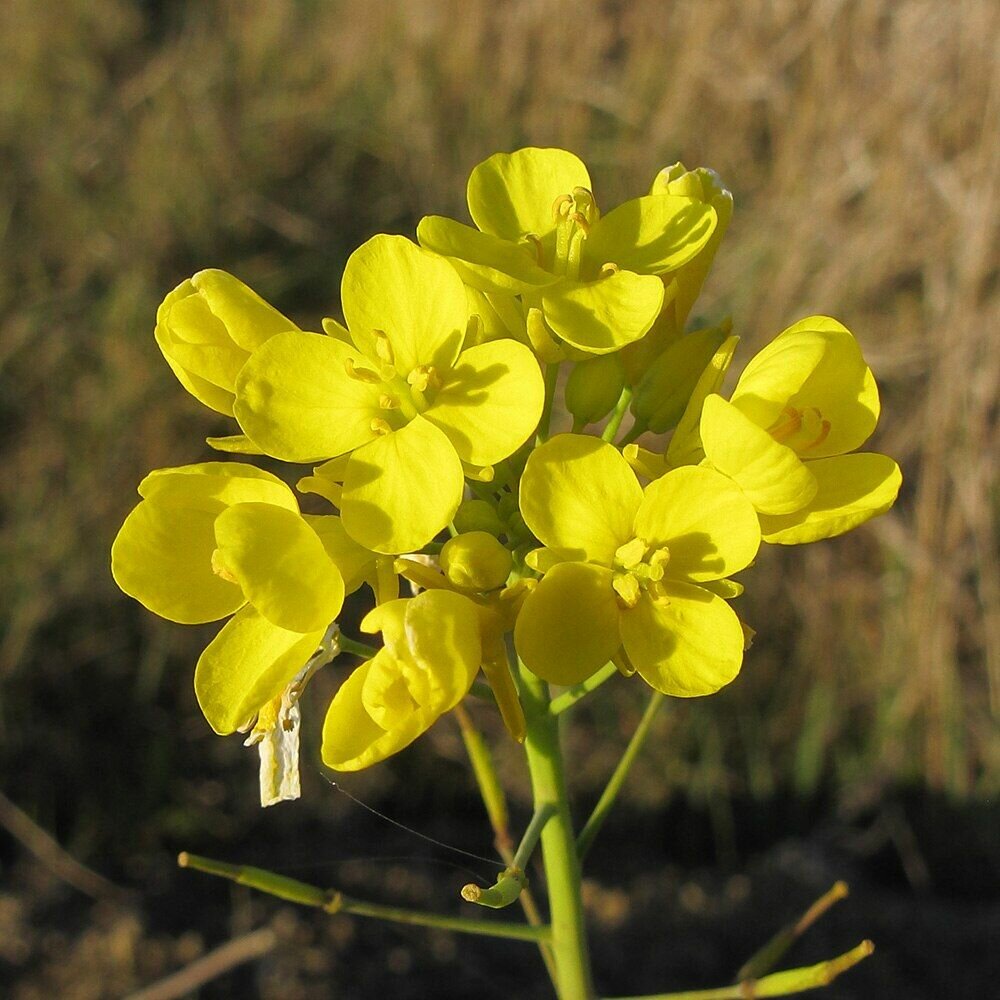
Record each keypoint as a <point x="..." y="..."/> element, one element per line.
<point x="495" y="802"/>
<point x="562" y="867"/>
<point x="614" y="786"/>
<point x="778" y="984"/>
<point x="617" y="415"/>
<point x="551" y="379"/>
<point x="361" y="649"/>
<point x="569" y="698"/>
<point x="530" y="839"/>
<point x="336" y="902"/>
<point x="767" y="957"/>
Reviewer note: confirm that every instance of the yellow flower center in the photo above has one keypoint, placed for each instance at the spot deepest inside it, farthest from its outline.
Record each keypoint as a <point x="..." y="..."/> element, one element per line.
<point x="574" y="215"/>
<point x="404" y="394"/>
<point x="800" y="428"/>
<point x="638" y="569"/>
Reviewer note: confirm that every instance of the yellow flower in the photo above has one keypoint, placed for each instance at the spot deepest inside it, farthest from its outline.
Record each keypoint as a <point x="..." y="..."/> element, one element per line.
<point x="398" y="394"/>
<point x="630" y="568"/>
<point x="540" y="235"/>
<point x="431" y="656"/>
<point x="207" y="327"/>
<point x="801" y="405"/>
<point x="222" y="538"/>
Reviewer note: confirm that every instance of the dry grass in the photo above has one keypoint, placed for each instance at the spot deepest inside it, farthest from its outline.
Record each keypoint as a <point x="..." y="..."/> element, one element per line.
<point x="270" y="137"/>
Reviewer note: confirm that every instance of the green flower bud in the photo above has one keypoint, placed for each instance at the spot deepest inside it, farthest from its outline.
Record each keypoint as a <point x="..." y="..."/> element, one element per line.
<point x="477" y="515"/>
<point x="664" y="390"/>
<point x="207" y="327"/>
<point x="476" y="561"/>
<point x="593" y="388"/>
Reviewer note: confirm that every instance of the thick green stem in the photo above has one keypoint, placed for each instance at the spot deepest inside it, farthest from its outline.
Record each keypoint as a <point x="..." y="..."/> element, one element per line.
<point x="778" y="984"/>
<point x="614" y="786"/>
<point x="562" y="868"/>
<point x="336" y="902"/>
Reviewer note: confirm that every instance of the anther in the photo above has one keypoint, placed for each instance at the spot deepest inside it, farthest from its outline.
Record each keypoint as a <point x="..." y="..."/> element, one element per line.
<point x="631" y="553"/>
<point x="609" y="268"/>
<point x="824" y="433"/>
<point x="561" y="206"/>
<point x="536" y="244"/>
<point x="781" y="430"/>
<point x="360" y="374"/>
<point x="380" y="427"/>
<point x="581" y="220"/>
<point x="383" y="348"/>
<point x="387" y="402"/>
<point x="627" y="588"/>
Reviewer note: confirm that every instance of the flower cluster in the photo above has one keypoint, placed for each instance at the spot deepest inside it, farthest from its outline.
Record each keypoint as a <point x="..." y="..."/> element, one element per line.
<point x="426" y="417"/>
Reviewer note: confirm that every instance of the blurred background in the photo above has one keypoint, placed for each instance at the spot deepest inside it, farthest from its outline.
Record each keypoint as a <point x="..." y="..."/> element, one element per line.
<point x="142" y="141"/>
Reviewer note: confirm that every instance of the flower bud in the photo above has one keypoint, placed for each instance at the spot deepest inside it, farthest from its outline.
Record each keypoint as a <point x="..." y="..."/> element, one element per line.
<point x="478" y="515"/>
<point x="706" y="186"/>
<point x="593" y="388"/>
<point x="207" y="327"/>
<point x="476" y="561"/>
<point x="664" y="391"/>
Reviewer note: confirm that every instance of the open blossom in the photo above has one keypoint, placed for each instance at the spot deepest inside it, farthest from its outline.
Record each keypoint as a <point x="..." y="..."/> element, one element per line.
<point x="789" y="432"/>
<point x="396" y="392"/>
<point x="431" y="655"/>
<point x="223" y="538"/>
<point x="632" y="569"/>
<point x="541" y="235"/>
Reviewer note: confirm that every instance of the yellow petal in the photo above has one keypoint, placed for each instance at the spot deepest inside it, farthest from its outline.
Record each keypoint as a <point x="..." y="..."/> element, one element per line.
<point x="654" y="234"/>
<point x="852" y="489"/>
<point x="210" y="486"/>
<point x="690" y="643"/>
<point x="486" y="262"/>
<point x="490" y="401"/>
<point x="352" y="740"/>
<point x="578" y="493"/>
<point x="297" y="402"/>
<point x="814" y="364"/>
<point x="703" y="518"/>
<point x="432" y="654"/>
<point x="163" y="558"/>
<point x="511" y="194"/>
<point x="568" y="626"/>
<point x="413" y="297"/>
<point x="770" y="474"/>
<point x="603" y="315"/>
<point x="402" y="489"/>
<point x="354" y="561"/>
<point x="248" y="319"/>
<point x="250" y="662"/>
<point x="280" y="564"/>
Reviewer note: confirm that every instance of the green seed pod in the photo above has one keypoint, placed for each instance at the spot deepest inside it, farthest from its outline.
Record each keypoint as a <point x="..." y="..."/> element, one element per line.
<point x="593" y="387"/>
<point x="476" y="561"/>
